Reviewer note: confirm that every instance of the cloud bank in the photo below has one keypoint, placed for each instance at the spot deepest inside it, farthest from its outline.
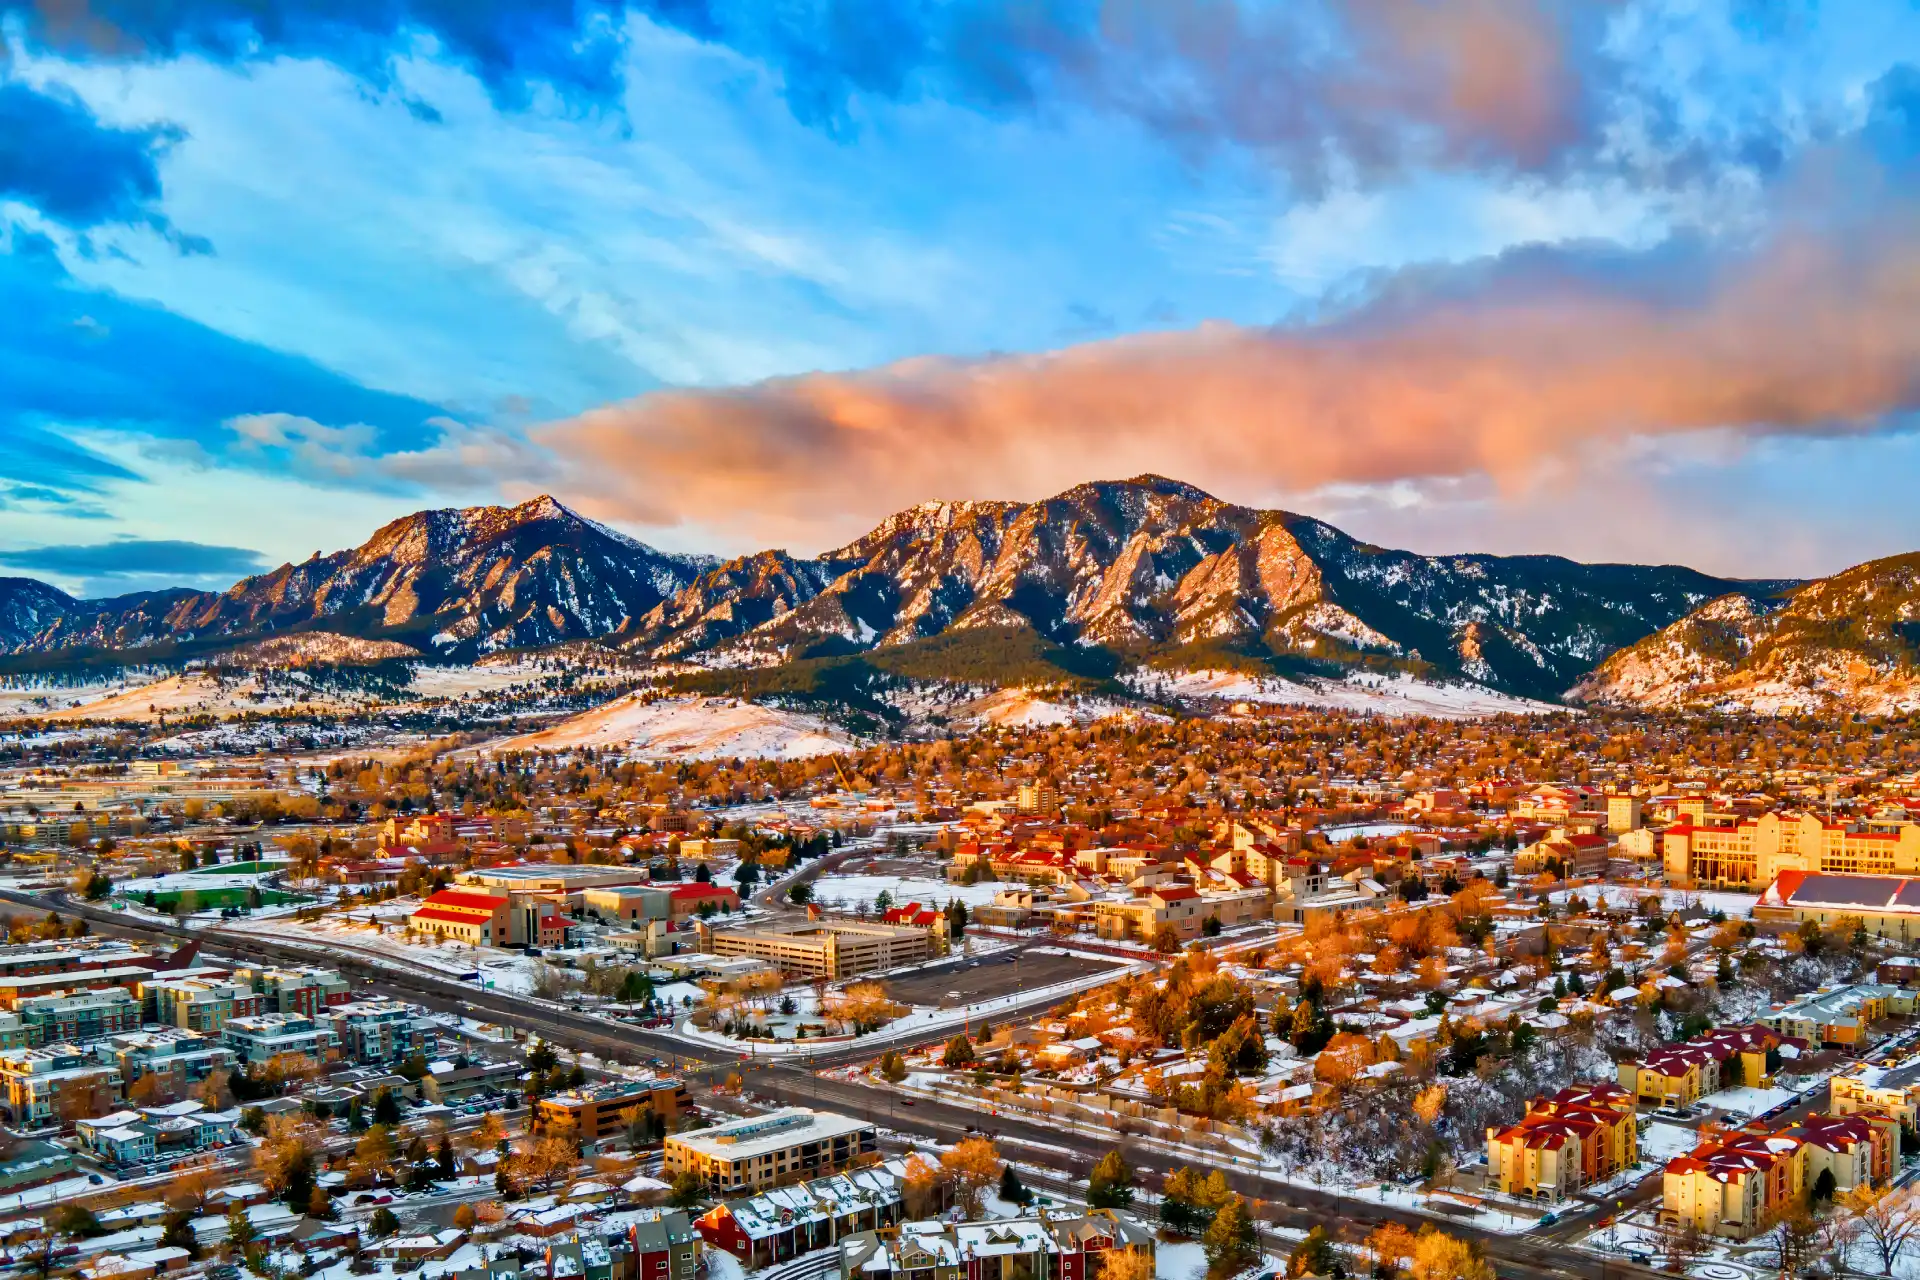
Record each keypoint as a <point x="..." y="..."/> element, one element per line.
<point x="1499" y="370"/>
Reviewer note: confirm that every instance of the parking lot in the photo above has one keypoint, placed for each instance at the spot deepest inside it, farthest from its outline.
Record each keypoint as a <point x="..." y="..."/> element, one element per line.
<point x="992" y="976"/>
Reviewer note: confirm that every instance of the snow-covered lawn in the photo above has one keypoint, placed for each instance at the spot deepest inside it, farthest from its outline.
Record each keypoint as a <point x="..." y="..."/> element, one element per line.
<point x="846" y="890"/>
<point x="1749" y="1100"/>
<point x="1662" y="1141"/>
<point x="1625" y="897"/>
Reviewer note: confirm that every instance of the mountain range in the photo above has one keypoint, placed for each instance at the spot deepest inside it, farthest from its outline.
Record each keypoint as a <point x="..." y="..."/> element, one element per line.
<point x="1084" y="584"/>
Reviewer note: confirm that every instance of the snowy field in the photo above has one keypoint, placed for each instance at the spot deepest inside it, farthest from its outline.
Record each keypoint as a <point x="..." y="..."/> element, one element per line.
<point x="690" y="729"/>
<point x="839" y="890"/>
<point x="1626" y="897"/>
<point x="1367" y="830"/>
<point x="1381" y="695"/>
<point x="1662" y="1142"/>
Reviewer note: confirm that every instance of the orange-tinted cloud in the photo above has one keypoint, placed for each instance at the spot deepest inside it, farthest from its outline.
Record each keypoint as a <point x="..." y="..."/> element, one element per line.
<point x="1494" y="372"/>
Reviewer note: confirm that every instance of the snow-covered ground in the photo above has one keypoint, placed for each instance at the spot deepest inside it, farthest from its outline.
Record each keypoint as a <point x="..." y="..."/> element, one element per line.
<point x="199" y="693"/>
<point x="1383" y="695"/>
<point x="1367" y="830"/>
<point x="847" y="890"/>
<point x="1627" y="896"/>
<point x="691" y="729"/>
<point x="1662" y="1141"/>
<point x="1749" y="1100"/>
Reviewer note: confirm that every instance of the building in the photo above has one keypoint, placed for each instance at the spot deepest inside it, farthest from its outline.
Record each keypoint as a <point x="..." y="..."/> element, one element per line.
<point x="205" y="1005"/>
<point x="552" y="879"/>
<point x="688" y="900"/>
<point x="1579" y="1136"/>
<point x="1885" y="906"/>
<point x="1734" y="1184"/>
<point x="15" y="989"/>
<point x="308" y="991"/>
<point x="157" y="1133"/>
<point x="1623" y="814"/>
<point x="261" y="1039"/>
<point x="78" y="1017"/>
<point x="475" y="918"/>
<point x="378" y="1032"/>
<point x="599" y="1112"/>
<point x="1679" y="1075"/>
<point x="1842" y="1016"/>
<point x="1047" y="1246"/>
<point x="764" y="1151"/>
<point x="1037" y="798"/>
<point x="1871" y="1089"/>
<point x="57" y="1084"/>
<point x="181" y="1059"/>
<point x="785" y="1222"/>
<point x="633" y="904"/>
<point x="1849" y="1153"/>
<point x="664" y="1247"/>
<point x="826" y="949"/>
<point x="1746" y="855"/>
<point x="709" y="850"/>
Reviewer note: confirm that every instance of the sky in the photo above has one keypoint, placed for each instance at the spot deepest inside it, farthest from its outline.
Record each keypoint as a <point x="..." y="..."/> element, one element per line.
<point x="1614" y="279"/>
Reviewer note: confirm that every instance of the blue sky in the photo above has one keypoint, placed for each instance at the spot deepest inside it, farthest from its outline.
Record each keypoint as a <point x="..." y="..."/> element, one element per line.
<point x="1512" y="275"/>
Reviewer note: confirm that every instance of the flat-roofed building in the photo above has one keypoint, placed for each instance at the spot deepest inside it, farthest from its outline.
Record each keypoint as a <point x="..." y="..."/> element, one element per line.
<point x="1885" y="906"/>
<point x="265" y="1037"/>
<point x="57" y="1083"/>
<point x="599" y="1112"/>
<point x="203" y="1004"/>
<point x="378" y="1032"/>
<point x="826" y="949"/>
<point x="78" y="1017"/>
<point x="786" y="1146"/>
<point x="1893" y="1091"/>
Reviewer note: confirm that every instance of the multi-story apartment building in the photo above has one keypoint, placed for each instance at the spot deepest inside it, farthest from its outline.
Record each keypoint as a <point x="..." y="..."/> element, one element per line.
<point x="1734" y="1183"/>
<point x="1749" y="855"/>
<point x="1679" y="1075"/>
<point x="1841" y="1016"/>
<point x="181" y="1059"/>
<point x="1871" y="1089"/>
<point x="266" y="1036"/>
<point x="308" y="991"/>
<point x="1043" y="1247"/>
<point x="205" y="1005"/>
<point x="763" y="1151"/>
<point x="78" y="1017"/>
<point x="598" y="1112"/>
<point x="377" y="1032"/>
<point x="1737" y="1182"/>
<point x="56" y="1084"/>
<point x="1579" y="1136"/>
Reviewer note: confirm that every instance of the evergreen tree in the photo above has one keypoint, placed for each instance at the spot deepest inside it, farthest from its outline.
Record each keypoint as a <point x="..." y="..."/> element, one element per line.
<point x="1111" y="1185"/>
<point x="386" y="1108"/>
<point x="1230" y="1243"/>
<point x="240" y="1232"/>
<point x="1313" y="1256"/>
<point x="1012" y="1190"/>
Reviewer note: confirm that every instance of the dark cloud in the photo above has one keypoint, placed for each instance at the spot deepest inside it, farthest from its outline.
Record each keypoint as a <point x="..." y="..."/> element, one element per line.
<point x="75" y="354"/>
<point x="1369" y="84"/>
<point x="57" y="156"/>
<point x="136" y="558"/>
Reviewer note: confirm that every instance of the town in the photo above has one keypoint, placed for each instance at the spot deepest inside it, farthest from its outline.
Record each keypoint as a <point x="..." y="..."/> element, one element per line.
<point x="1283" y="990"/>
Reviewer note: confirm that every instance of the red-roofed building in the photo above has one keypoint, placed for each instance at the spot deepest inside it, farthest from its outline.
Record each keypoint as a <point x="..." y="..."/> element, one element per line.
<point x="479" y="919"/>
<point x="1578" y="1136"/>
<point x="687" y="900"/>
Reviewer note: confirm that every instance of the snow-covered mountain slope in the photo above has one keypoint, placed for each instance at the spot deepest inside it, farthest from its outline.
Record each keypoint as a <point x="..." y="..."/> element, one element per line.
<point x="28" y="607"/>
<point x="691" y="729"/>
<point x="1846" y="643"/>
<point x="1153" y="564"/>
<point x="463" y="582"/>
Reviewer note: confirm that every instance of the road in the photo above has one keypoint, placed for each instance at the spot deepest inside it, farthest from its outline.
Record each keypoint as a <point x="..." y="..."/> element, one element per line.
<point x="1071" y="1152"/>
